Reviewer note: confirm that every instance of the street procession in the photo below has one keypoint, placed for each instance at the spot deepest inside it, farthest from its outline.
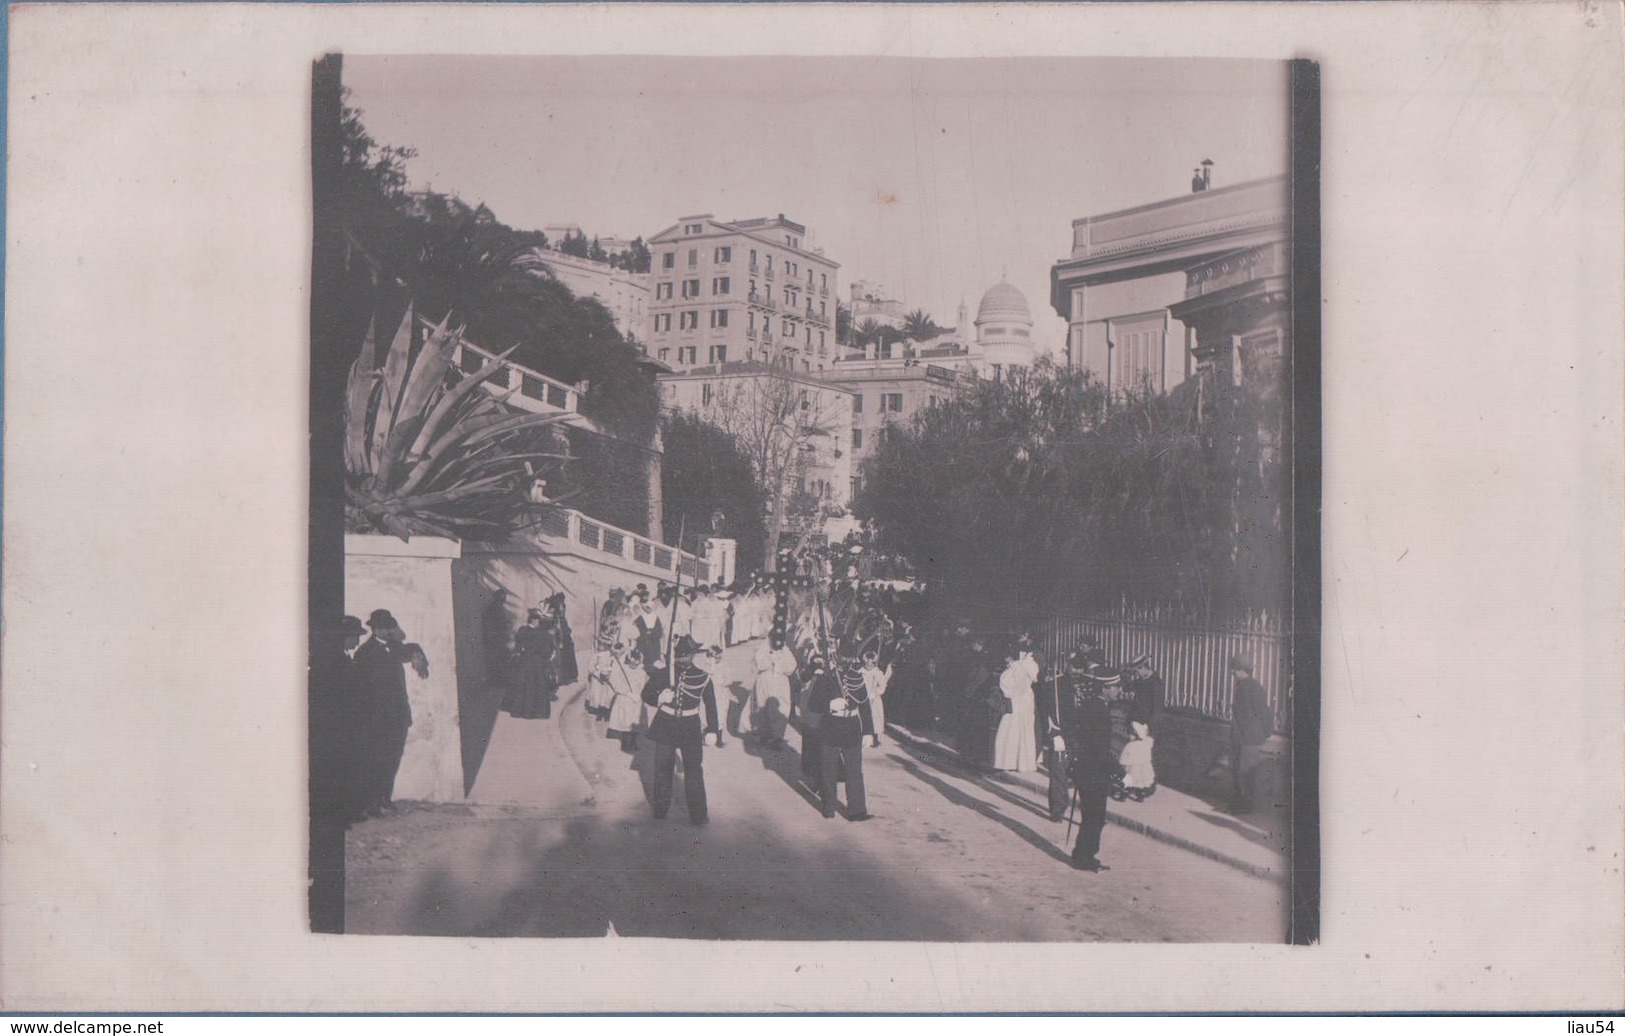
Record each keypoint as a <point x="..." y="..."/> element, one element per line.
<point x="831" y="652"/>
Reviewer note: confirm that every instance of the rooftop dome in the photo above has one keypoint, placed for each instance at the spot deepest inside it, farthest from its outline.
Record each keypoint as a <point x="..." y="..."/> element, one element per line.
<point x="1004" y="301"/>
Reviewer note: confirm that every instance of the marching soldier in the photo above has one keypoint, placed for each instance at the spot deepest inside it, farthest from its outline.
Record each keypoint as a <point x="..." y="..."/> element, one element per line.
<point x="678" y="697"/>
<point x="842" y="703"/>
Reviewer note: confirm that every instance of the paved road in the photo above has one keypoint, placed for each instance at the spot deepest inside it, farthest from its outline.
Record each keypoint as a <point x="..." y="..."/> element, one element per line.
<point x="951" y="855"/>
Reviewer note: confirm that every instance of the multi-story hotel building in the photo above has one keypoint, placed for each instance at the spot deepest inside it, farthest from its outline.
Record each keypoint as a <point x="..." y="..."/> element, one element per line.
<point x="751" y="291"/>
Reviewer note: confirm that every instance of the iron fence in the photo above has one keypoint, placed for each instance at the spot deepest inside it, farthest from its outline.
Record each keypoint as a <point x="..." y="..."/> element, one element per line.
<point x="1194" y="661"/>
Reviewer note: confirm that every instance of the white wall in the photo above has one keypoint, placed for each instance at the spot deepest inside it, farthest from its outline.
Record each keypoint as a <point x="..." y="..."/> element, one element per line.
<point x="413" y="580"/>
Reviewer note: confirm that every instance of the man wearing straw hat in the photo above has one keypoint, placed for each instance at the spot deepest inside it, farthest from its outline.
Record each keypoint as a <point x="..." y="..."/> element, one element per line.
<point x="1250" y="723"/>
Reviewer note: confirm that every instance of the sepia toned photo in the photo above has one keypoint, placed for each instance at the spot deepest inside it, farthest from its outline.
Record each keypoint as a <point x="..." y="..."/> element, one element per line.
<point x="810" y="499"/>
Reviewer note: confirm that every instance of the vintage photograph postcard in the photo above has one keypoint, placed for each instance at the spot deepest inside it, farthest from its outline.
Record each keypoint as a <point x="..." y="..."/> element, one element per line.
<point x="929" y="508"/>
<point x="809" y="498"/>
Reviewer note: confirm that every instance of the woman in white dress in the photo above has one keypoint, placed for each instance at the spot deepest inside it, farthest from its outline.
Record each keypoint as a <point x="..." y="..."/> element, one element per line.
<point x="1015" y="746"/>
<point x="626" y="680"/>
<point x="767" y="711"/>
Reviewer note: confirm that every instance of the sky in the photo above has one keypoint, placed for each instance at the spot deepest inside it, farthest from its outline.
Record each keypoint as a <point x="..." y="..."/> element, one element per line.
<point x="935" y="177"/>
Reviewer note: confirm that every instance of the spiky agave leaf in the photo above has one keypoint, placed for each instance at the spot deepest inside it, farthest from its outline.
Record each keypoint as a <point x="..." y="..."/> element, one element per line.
<point x="393" y="383"/>
<point x="363" y="384"/>
<point x="427" y="376"/>
<point x="465" y="438"/>
<point x="463" y="390"/>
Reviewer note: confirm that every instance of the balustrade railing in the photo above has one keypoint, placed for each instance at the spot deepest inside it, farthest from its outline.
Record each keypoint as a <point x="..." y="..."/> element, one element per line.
<point x="578" y="529"/>
<point x="537" y="392"/>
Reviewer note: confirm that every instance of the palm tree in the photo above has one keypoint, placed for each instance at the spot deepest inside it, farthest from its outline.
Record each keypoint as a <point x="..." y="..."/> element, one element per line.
<point x="919" y="326"/>
<point x="867" y="332"/>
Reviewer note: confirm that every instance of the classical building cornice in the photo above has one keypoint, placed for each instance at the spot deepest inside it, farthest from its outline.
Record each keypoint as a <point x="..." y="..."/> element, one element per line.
<point x="1170" y="235"/>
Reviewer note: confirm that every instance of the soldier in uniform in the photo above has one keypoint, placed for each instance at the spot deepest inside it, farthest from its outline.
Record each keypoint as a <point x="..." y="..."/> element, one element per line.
<point x="841" y="701"/>
<point x="1086" y="737"/>
<point x="678" y="698"/>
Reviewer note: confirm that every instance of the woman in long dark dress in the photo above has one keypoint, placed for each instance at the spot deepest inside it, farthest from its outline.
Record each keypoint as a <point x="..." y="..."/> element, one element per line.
<point x="535" y="684"/>
<point x="566" y="669"/>
<point x="975" y="720"/>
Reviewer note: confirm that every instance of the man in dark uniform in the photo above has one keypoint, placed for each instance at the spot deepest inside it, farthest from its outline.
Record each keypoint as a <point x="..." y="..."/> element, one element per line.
<point x="808" y="677"/>
<point x="386" y="710"/>
<point x="1086" y="727"/>
<point x="1047" y="694"/>
<point x="841" y="700"/>
<point x="1145" y="691"/>
<point x="678" y="699"/>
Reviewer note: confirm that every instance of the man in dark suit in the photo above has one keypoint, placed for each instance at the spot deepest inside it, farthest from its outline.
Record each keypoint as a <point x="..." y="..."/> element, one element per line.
<point x="386" y="710"/>
<point x="679" y="698"/>
<point x="1250" y="724"/>
<point x="841" y="700"/>
<point x="1086" y="725"/>
<point x="1145" y="691"/>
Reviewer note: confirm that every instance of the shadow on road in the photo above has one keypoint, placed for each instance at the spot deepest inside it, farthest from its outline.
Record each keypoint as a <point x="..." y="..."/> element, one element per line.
<point x="670" y="880"/>
<point x="964" y="771"/>
<point x="991" y="812"/>
<point x="784" y="763"/>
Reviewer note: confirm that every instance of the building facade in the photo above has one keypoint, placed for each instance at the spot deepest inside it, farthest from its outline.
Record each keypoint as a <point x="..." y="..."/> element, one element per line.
<point x="1121" y="287"/>
<point x="888" y="393"/>
<point x="872" y="300"/>
<point x="890" y="385"/>
<point x="756" y="402"/>
<point x="625" y="295"/>
<point x="751" y="291"/>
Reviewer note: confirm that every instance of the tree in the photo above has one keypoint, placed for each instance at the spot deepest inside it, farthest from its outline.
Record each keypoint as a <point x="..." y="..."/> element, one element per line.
<point x="459" y="261"/>
<point x="1031" y="494"/>
<point x="774" y="419"/>
<point x="843" y="323"/>
<point x="574" y="244"/>
<point x="705" y="472"/>
<point x="868" y="332"/>
<point x="919" y="326"/>
<point x="596" y="252"/>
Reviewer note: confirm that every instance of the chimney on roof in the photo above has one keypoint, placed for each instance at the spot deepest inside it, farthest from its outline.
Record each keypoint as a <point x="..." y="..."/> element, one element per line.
<point x="1207" y="173"/>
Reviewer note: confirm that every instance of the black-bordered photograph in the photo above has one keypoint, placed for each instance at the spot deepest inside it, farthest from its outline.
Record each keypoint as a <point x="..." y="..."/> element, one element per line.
<point x="811" y="499"/>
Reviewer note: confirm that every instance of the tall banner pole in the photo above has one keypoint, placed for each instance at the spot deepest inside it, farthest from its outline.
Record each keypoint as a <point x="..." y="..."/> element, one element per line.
<point x="677" y="595"/>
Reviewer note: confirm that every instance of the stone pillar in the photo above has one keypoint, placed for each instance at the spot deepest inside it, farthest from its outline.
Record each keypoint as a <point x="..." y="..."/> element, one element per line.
<point x="412" y="579"/>
<point x="652" y="472"/>
<point x="721" y="554"/>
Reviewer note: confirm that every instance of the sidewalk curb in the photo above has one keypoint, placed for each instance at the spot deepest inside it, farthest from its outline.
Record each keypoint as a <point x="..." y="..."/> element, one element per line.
<point x="1137" y="826"/>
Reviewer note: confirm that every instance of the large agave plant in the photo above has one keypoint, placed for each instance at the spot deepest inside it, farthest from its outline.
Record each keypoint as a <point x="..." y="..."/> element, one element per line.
<point x="427" y="452"/>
